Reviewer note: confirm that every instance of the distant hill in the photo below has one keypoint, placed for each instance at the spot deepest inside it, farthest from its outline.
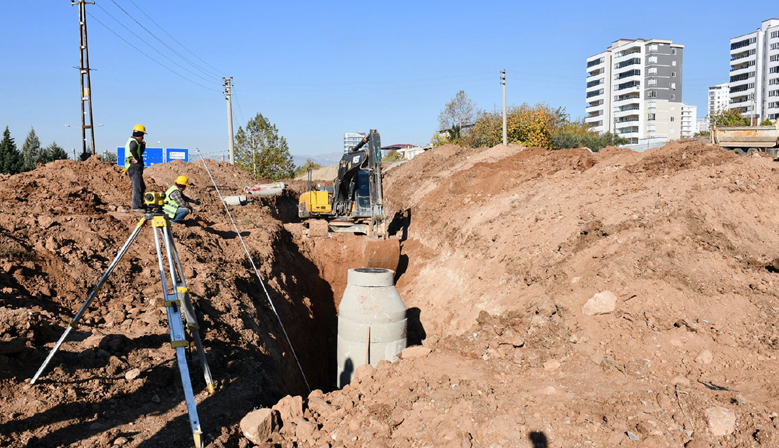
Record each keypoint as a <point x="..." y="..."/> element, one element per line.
<point x="323" y="159"/>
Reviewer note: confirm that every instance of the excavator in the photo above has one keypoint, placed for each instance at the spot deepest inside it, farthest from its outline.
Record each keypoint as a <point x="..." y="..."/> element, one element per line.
<point x="354" y="204"/>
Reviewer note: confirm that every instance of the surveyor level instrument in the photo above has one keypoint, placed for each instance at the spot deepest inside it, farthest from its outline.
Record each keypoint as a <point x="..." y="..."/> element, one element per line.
<point x="175" y="302"/>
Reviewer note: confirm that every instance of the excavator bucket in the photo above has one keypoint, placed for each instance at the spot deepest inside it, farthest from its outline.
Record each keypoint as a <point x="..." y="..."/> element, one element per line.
<point x="380" y="253"/>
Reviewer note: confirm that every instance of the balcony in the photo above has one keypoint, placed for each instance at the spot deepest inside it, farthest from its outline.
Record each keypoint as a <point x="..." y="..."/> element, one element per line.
<point x="594" y="83"/>
<point x="629" y="85"/>
<point x="628" y="52"/>
<point x="627" y="74"/>
<point x="627" y="63"/>
<point x="594" y="93"/>
<point x="595" y="62"/>
<point x="595" y="72"/>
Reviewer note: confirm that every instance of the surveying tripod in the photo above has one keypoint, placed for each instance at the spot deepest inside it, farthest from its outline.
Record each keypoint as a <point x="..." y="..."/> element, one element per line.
<point x="174" y="303"/>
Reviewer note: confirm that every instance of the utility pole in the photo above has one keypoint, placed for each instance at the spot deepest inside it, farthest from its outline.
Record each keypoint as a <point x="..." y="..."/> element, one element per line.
<point x="752" y="115"/>
<point x="86" y="83"/>
<point x="503" y="82"/>
<point x="228" y="96"/>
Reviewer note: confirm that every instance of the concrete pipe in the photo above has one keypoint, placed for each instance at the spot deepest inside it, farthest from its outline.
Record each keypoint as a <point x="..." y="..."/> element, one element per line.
<point x="235" y="200"/>
<point x="371" y="321"/>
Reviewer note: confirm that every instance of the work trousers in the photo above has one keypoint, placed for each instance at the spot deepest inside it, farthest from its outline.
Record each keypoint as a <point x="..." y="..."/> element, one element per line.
<point x="139" y="187"/>
<point x="181" y="213"/>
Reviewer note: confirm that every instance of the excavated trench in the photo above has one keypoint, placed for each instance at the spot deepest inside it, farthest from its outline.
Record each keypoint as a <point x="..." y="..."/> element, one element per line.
<point x="317" y="268"/>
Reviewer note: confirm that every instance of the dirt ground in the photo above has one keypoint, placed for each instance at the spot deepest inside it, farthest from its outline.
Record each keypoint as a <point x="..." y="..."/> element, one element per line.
<point x="556" y="299"/>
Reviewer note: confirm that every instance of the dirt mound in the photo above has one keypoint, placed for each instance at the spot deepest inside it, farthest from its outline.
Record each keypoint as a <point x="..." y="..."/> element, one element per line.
<point x="562" y="298"/>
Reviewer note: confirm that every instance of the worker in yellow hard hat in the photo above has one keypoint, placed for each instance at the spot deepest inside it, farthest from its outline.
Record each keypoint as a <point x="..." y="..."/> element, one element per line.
<point x="177" y="205"/>
<point x="133" y="151"/>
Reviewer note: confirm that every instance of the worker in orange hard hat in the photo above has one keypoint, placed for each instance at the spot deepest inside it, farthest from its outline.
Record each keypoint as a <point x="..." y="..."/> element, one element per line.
<point x="133" y="151"/>
<point x="177" y="205"/>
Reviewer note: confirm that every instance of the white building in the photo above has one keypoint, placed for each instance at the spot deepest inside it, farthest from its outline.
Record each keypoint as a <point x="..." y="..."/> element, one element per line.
<point x="351" y="139"/>
<point x="754" y="72"/>
<point x="634" y="89"/>
<point x="702" y="124"/>
<point x="688" y="121"/>
<point x="719" y="98"/>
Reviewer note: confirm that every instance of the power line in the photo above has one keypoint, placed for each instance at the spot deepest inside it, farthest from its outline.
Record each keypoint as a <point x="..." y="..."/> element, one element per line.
<point x="143" y="53"/>
<point x="150" y="46"/>
<point x="219" y="73"/>
<point x="158" y="39"/>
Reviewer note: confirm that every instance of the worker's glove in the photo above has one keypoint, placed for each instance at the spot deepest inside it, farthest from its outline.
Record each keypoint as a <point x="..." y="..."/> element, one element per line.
<point x="196" y="201"/>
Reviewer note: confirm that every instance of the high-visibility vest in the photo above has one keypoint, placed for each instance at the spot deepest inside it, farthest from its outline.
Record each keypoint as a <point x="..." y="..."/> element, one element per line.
<point x="170" y="206"/>
<point x="128" y="155"/>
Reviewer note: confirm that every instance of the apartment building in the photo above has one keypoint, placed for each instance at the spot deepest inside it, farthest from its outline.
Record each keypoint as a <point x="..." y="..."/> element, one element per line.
<point x="352" y="139"/>
<point x="719" y="98"/>
<point x="689" y="117"/>
<point x="634" y="89"/>
<point x="754" y="72"/>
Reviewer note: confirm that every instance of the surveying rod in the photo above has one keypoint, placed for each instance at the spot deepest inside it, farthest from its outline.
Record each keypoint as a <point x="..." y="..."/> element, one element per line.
<point x="97" y="287"/>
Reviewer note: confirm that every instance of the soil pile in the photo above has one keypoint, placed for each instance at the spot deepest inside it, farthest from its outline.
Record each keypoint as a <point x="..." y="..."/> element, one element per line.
<point x="555" y="299"/>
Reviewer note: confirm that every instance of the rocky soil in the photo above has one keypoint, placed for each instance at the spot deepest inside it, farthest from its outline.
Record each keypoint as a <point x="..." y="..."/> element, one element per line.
<point x="556" y="299"/>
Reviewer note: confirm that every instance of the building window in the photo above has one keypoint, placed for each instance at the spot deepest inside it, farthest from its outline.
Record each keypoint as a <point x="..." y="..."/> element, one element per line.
<point x="673" y="85"/>
<point x="774" y="69"/>
<point x="673" y="97"/>
<point x="775" y="46"/>
<point x="775" y="58"/>
<point x="652" y="59"/>
<point x="774" y="34"/>
<point x="673" y="50"/>
<point x="650" y="117"/>
<point x="651" y="105"/>
<point x="672" y="130"/>
<point x="673" y="74"/>
<point x="672" y="119"/>
<point x="673" y="63"/>
<point x="651" y="82"/>
<point x="651" y="94"/>
<point x="650" y="128"/>
<point x="652" y="70"/>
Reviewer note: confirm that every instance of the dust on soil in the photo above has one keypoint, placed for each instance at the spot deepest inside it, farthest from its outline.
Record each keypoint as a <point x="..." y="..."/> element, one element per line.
<point x="503" y="248"/>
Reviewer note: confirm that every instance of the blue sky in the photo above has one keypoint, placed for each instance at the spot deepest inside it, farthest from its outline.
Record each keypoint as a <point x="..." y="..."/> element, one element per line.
<point x="319" y="69"/>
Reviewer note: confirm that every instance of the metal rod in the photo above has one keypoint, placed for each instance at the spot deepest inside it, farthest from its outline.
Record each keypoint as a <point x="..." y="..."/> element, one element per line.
<point x="89" y="298"/>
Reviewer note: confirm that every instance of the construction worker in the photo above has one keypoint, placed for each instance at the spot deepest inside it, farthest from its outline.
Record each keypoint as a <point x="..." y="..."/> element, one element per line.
<point x="133" y="151"/>
<point x="176" y="203"/>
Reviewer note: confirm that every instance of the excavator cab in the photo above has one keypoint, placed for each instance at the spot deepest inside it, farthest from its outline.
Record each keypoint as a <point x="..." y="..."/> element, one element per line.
<point x="355" y="203"/>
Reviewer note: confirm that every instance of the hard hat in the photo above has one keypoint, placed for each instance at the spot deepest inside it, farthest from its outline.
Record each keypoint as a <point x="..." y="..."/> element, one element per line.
<point x="139" y="128"/>
<point x="182" y="180"/>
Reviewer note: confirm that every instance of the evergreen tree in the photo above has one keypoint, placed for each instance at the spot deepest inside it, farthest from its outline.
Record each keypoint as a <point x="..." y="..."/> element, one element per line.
<point x="53" y="152"/>
<point x="260" y="150"/>
<point x="31" y="151"/>
<point x="10" y="159"/>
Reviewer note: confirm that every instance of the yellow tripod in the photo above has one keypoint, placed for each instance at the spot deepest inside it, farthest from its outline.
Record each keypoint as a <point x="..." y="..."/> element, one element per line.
<point x="174" y="303"/>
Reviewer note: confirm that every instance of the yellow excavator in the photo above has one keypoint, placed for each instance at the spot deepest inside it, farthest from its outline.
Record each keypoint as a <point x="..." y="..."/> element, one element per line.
<point x="354" y="204"/>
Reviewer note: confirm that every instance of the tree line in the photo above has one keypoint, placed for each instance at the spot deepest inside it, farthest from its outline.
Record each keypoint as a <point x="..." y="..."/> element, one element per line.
<point x="460" y="123"/>
<point x="14" y="161"/>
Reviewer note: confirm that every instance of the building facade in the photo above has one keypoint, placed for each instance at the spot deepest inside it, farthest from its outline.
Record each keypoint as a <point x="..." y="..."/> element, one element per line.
<point x="719" y="98"/>
<point x="688" y="126"/>
<point x="351" y="139"/>
<point x="754" y="72"/>
<point x="634" y="89"/>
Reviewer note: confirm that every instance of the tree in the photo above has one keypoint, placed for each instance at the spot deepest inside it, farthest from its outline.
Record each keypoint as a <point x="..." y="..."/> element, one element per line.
<point x="729" y="117"/>
<point x="457" y="117"/>
<point x="53" y="152"/>
<point x="31" y="151"/>
<point x="109" y="157"/>
<point x="260" y="150"/>
<point x="766" y="122"/>
<point x="309" y="165"/>
<point x="10" y="159"/>
<point x="526" y="125"/>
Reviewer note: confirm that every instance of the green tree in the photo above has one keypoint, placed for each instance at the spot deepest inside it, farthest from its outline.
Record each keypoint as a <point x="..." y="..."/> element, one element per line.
<point x="309" y="165"/>
<point x="766" y="122"/>
<point x="10" y="159"/>
<point x="730" y="117"/>
<point x="31" y="151"/>
<point x="260" y="150"/>
<point x="53" y="152"/>
<point x="109" y="157"/>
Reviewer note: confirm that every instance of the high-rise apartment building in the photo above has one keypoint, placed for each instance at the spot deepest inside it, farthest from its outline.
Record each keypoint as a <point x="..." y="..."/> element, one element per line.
<point x="634" y="89"/>
<point x="352" y="139"/>
<point x="719" y="98"/>
<point x="689" y="117"/>
<point x="754" y="72"/>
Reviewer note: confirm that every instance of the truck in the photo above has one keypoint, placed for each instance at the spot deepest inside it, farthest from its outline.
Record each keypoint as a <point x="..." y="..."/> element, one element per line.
<point x="747" y="139"/>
